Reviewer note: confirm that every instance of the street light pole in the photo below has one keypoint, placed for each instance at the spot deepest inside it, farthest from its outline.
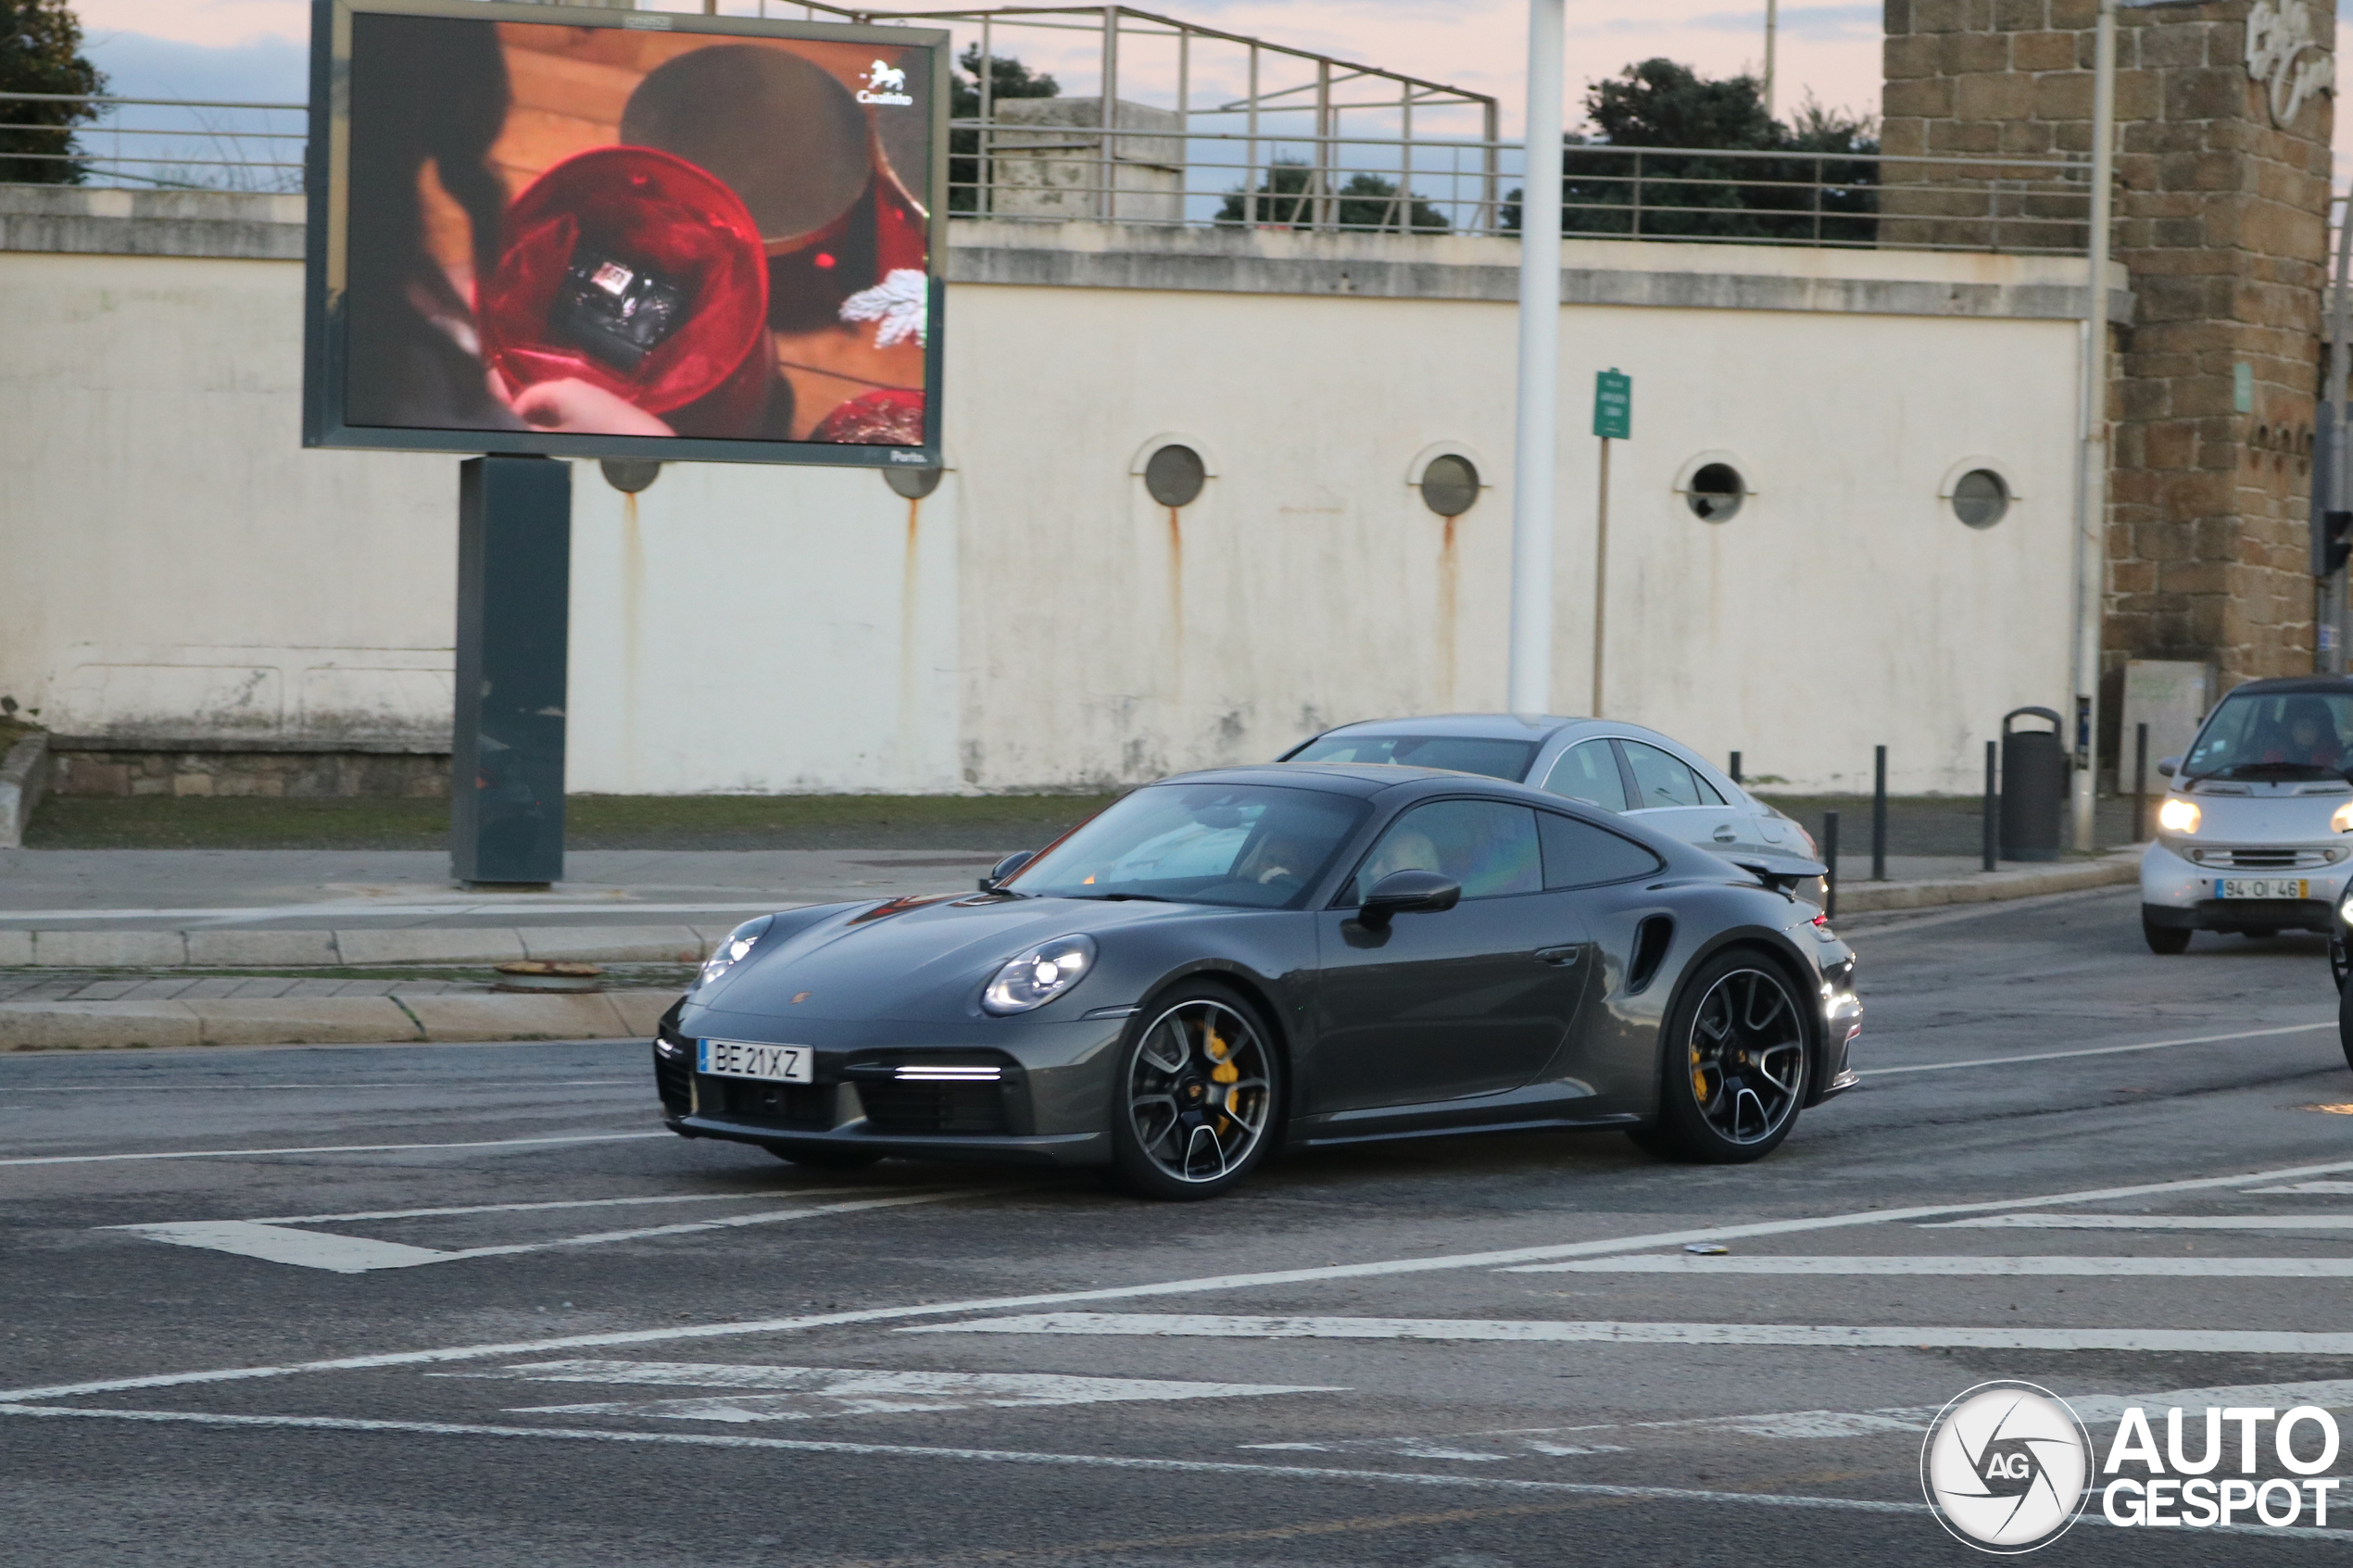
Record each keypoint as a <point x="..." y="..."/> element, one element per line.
<point x="1530" y="682"/>
<point x="1772" y="18"/>
<point x="2091" y="487"/>
<point x="2330" y="628"/>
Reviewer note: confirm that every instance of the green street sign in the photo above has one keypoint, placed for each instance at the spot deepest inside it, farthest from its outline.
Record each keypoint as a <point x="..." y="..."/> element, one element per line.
<point x="1613" y="405"/>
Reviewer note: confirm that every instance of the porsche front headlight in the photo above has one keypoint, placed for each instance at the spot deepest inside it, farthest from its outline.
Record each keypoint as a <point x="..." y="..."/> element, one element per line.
<point x="2178" y="815"/>
<point x="2341" y="821"/>
<point x="1038" y="976"/>
<point x="732" y="951"/>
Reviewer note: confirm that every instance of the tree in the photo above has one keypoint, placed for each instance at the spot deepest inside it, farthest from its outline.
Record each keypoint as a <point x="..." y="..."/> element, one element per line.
<point x="41" y="52"/>
<point x="1008" y="77"/>
<point x="1810" y="192"/>
<point x="1365" y="201"/>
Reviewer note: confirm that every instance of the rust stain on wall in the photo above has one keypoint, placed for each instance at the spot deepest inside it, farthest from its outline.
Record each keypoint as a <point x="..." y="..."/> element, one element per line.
<point x="1448" y="563"/>
<point x="910" y="605"/>
<point x="1176" y="589"/>
<point x="633" y="596"/>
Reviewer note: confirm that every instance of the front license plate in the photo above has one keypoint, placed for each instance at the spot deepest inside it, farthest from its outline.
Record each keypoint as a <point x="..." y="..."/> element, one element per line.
<point x="2260" y="888"/>
<point x="775" y="1064"/>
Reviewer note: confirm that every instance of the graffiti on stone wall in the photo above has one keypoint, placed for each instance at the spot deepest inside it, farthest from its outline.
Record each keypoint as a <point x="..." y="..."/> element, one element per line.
<point x="2282" y="53"/>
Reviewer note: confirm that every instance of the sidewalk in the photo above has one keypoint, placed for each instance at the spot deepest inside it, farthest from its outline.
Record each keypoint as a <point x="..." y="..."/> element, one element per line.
<point x="110" y="949"/>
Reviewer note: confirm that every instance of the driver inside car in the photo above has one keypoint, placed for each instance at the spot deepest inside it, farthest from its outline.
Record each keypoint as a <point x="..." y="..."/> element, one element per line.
<point x="2307" y="735"/>
<point x="1411" y="851"/>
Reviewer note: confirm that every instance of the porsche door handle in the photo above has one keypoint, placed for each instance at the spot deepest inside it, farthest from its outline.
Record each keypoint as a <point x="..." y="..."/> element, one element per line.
<point x="1725" y="834"/>
<point x="1559" y="957"/>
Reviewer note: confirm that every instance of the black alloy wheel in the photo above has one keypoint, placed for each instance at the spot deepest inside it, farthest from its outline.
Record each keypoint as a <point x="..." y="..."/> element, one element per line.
<point x="1194" y="1104"/>
<point x="1737" y="1059"/>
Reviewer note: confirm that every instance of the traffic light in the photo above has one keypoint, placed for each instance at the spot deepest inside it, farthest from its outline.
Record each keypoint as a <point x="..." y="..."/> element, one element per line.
<point x="2331" y="543"/>
<point x="2332" y="510"/>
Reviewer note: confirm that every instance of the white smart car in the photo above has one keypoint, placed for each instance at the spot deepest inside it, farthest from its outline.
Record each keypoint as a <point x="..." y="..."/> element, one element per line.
<point x="2255" y="833"/>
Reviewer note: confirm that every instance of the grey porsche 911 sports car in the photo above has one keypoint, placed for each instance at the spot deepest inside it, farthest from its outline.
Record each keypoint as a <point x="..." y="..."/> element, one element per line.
<point x="1230" y="962"/>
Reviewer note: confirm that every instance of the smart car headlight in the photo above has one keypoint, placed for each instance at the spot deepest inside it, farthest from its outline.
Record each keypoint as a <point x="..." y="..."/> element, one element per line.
<point x="2178" y="815"/>
<point x="1039" y="975"/>
<point x="732" y="951"/>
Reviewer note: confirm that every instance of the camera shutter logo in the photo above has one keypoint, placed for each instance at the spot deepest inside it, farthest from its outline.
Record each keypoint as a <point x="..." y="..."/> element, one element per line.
<point x="2004" y="1466"/>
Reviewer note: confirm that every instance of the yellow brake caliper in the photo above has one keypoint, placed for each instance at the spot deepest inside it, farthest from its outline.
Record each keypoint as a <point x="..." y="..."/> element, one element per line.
<point x="1699" y="1078"/>
<point x="1225" y="1072"/>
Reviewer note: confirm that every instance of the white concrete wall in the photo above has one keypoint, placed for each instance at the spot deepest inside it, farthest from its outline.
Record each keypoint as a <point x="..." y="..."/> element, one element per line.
<point x="172" y="562"/>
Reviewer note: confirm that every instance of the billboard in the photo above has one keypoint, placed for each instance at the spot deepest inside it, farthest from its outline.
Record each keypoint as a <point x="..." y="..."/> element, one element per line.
<point x="576" y="232"/>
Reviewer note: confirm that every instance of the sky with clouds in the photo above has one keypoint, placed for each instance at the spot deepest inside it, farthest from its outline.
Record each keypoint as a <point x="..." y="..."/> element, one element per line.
<point x="254" y="48"/>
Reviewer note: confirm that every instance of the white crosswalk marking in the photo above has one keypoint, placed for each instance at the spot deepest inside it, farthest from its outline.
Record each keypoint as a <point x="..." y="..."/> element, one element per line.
<point x="814" y="1392"/>
<point x="2332" y="1222"/>
<point x="1962" y="1265"/>
<point x="2096" y="1409"/>
<point x="276" y="1242"/>
<point x="1816" y="1336"/>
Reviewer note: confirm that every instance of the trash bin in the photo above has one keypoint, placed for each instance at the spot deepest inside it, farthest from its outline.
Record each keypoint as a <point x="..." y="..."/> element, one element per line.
<point x="2034" y="786"/>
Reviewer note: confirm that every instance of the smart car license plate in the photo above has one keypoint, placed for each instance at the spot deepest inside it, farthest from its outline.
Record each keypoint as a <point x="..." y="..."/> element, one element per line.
<point x="2260" y="888"/>
<point x="775" y="1064"/>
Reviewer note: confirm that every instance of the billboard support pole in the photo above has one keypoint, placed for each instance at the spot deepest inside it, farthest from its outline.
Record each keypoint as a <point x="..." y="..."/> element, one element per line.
<point x="506" y="749"/>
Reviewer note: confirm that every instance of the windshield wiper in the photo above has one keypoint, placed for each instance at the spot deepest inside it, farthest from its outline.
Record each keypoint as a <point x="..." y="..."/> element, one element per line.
<point x="1123" y="897"/>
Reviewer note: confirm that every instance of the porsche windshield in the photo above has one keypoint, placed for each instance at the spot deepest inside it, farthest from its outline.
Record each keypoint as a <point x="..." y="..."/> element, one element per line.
<point x="2275" y="735"/>
<point x="1463" y="754"/>
<point x="1250" y="844"/>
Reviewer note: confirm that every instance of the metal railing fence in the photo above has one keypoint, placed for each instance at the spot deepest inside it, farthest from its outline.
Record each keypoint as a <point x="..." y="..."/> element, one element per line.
<point x="154" y="144"/>
<point x="1048" y="160"/>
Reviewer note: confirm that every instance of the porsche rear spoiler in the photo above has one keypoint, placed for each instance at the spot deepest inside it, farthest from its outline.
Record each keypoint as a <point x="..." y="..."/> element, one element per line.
<point x="1782" y="873"/>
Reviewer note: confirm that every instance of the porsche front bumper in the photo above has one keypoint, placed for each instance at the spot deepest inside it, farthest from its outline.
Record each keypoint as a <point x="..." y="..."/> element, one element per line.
<point x="1015" y="1091"/>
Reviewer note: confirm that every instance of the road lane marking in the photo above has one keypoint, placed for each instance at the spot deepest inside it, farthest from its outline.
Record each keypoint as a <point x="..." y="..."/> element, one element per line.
<point x="2151" y="1268"/>
<point x="2336" y="1189"/>
<point x="2156" y="1222"/>
<point x="809" y="1393"/>
<point x="2096" y="1410"/>
<point x="1382" y="1269"/>
<point x="562" y="1203"/>
<point x="174" y="1088"/>
<point x="360" y="1255"/>
<point x="309" y="1249"/>
<point x="374" y="910"/>
<point x="2099" y="1050"/>
<point x="325" y="1148"/>
<point x="2257" y="1342"/>
<point x="994" y="1455"/>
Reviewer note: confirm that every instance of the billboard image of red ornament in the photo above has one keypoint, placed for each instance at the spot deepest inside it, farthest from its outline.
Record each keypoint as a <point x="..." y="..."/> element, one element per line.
<point x="610" y="234"/>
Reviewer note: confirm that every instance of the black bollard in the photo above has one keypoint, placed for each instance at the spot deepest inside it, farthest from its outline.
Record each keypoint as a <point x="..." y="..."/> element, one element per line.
<point x="1993" y="809"/>
<point x="1830" y="859"/>
<point x="1736" y="767"/>
<point x="1878" y="813"/>
<point x="2140" y="783"/>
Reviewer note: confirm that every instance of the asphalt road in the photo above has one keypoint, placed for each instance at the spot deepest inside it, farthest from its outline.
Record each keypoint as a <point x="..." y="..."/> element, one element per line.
<point x="409" y="1305"/>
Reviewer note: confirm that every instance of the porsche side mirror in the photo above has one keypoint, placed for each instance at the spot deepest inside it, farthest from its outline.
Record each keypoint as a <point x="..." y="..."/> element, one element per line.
<point x="1407" y="893"/>
<point x="1005" y="868"/>
<point x="2168" y="766"/>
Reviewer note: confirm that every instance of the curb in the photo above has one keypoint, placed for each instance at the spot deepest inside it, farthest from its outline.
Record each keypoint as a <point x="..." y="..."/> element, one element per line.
<point x="24" y="775"/>
<point x="330" y="1020"/>
<point x="216" y="949"/>
<point x="2113" y="869"/>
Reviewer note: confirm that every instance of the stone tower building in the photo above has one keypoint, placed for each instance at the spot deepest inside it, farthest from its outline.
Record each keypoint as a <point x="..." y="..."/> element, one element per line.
<point x="2224" y="112"/>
